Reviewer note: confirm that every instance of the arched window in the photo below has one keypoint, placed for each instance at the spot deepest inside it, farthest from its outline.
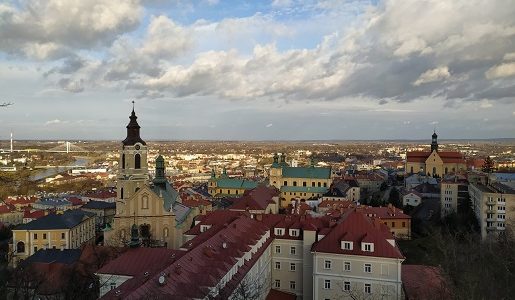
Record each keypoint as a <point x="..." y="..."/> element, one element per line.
<point x="20" y="247"/>
<point x="411" y="170"/>
<point x="121" y="193"/>
<point x="144" y="202"/>
<point x="165" y="232"/>
<point x="123" y="161"/>
<point x="434" y="170"/>
<point x="446" y="170"/>
<point x="137" y="161"/>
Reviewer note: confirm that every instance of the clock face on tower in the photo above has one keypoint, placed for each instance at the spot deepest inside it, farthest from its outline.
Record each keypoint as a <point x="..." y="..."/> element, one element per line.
<point x="137" y="147"/>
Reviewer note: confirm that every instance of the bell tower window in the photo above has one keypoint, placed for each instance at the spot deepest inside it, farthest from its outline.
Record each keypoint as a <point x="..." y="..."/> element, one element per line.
<point x="123" y="161"/>
<point x="137" y="161"/>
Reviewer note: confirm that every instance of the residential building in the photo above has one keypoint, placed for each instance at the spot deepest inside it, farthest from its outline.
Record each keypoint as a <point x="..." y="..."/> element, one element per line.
<point x="435" y="163"/>
<point x="68" y="230"/>
<point x="299" y="182"/>
<point x="343" y="190"/>
<point x="411" y="197"/>
<point x="394" y="218"/>
<point x="453" y="192"/>
<point x="494" y="207"/>
<point x="357" y="259"/>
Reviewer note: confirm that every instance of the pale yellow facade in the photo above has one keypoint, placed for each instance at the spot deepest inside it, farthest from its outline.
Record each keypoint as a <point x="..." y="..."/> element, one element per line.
<point x="27" y="242"/>
<point x="435" y="166"/>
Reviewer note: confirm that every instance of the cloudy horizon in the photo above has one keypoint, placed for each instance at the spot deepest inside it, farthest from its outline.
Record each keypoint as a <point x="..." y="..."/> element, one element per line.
<point x="258" y="70"/>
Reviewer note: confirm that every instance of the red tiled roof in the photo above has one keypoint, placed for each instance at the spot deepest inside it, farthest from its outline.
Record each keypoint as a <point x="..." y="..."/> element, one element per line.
<point x="6" y="208"/>
<point x="357" y="227"/>
<point x="139" y="260"/>
<point x="335" y="204"/>
<point x="280" y="295"/>
<point x="255" y="199"/>
<point x="417" y="156"/>
<point x="34" y="214"/>
<point x="390" y="212"/>
<point x="217" y="217"/>
<point x="74" y="200"/>
<point x="201" y="267"/>
<point x="424" y="282"/>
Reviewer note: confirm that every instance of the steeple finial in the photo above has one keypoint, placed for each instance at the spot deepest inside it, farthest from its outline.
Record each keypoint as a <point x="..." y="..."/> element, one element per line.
<point x="132" y="106"/>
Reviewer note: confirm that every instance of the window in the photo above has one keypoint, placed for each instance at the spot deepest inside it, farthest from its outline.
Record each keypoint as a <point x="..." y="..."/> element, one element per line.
<point x="293" y="250"/>
<point x="293" y="267"/>
<point x="20" y="247"/>
<point x="368" y="268"/>
<point x="292" y="285"/>
<point x="121" y="193"/>
<point x="277" y="283"/>
<point x="35" y="249"/>
<point x="144" y="202"/>
<point x="137" y="161"/>
<point x="346" y="285"/>
<point x="346" y="266"/>
<point x="403" y="224"/>
<point x="277" y="249"/>
<point x="123" y="161"/>
<point x="304" y="183"/>
<point x="113" y="285"/>
<point x="369" y="247"/>
<point x="327" y="284"/>
<point x="285" y="183"/>
<point x="279" y="231"/>
<point x="393" y="224"/>
<point x="347" y="245"/>
<point x="319" y="184"/>
<point x="295" y="183"/>
<point x="325" y="184"/>
<point x="368" y="288"/>
<point x="327" y="264"/>
<point x="294" y="232"/>
<point x="44" y="236"/>
<point x="313" y="184"/>
<point x="35" y="236"/>
<point x="277" y="265"/>
<point x="165" y="232"/>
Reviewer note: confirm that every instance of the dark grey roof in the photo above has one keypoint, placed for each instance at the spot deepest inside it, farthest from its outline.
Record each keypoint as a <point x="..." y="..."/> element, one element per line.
<point x="66" y="256"/>
<point x="172" y="200"/>
<point x="68" y="219"/>
<point x="99" y="205"/>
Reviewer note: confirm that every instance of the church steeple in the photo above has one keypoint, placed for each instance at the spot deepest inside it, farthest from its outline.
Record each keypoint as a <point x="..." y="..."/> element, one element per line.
<point x="133" y="130"/>
<point x="160" y="170"/>
<point x="434" y="142"/>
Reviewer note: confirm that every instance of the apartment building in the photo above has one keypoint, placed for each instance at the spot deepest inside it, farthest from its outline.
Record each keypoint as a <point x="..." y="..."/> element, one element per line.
<point x="68" y="230"/>
<point x="452" y="193"/>
<point x="357" y="259"/>
<point x="494" y="206"/>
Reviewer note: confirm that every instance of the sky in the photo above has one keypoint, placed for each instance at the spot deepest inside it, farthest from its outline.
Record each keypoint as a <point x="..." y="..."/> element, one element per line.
<point x="258" y="70"/>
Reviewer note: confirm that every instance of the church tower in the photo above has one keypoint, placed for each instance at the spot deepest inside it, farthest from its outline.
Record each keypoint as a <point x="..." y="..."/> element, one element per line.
<point x="434" y="142"/>
<point x="133" y="167"/>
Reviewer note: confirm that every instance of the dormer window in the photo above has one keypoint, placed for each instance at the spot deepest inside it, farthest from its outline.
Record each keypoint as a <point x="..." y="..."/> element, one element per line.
<point x="204" y="228"/>
<point x="346" y="245"/>
<point x="367" y="247"/>
<point x="294" y="232"/>
<point x="279" y="231"/>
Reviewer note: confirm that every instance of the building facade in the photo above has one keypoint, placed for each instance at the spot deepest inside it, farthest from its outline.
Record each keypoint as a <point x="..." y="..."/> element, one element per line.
<point x="68" y="230"/>
<point x="224" y="185"/>
<point x="299" y="182"/>
<point x="155" y="207"/>
<point x="435" y="163"/>
<point x="494" y="207"/>
<point x="452" y="193"/>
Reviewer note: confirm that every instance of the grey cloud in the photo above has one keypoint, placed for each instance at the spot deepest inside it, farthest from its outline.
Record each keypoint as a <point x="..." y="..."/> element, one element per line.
<point x="52" y="29"/>
<point x="72" y="86"/>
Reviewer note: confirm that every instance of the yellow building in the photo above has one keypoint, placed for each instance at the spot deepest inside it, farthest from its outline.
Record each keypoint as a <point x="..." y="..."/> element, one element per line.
<point x="300" y="183"/>
<point x="155" y="207"/>
<point x="435" y="163"/>
<point x="68" y="230"/>
<point x="226" y="186"/>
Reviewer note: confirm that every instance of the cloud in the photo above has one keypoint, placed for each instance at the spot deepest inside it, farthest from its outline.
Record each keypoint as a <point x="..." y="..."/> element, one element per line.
<point x="281" y="3"/>
<point x="55" y="121"/>
<point x="486" y="104"/>
<point x="52" y="29"/>
<point x="502" y="70"/>
<point x="269" y="125"/>
<point x="509" y="56"/>
<point x="72" y="86"/>
<point x="437" y="74"/>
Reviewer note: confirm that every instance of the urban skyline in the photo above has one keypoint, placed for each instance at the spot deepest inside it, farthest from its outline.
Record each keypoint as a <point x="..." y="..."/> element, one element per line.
<point x="226" y="70"/>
